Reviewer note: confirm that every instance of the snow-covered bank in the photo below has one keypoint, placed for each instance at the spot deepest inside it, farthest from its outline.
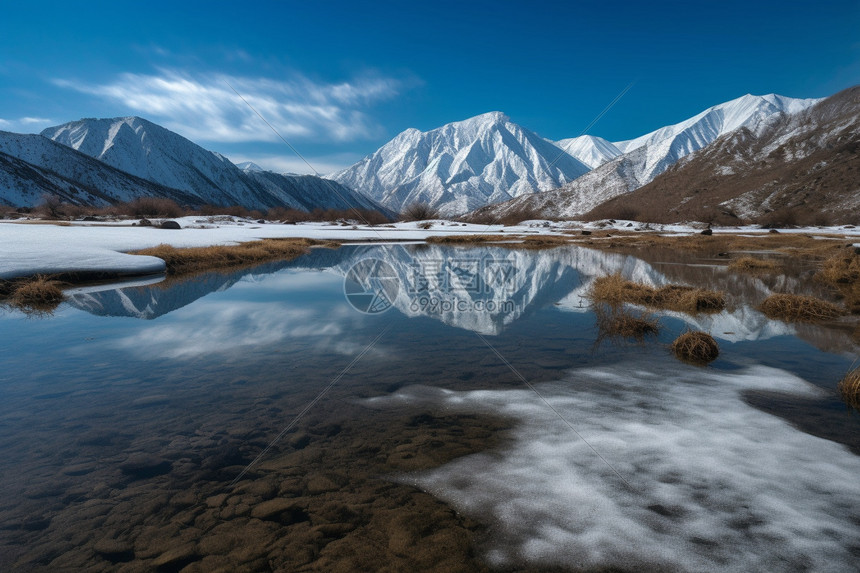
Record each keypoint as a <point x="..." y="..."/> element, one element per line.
<point x="27" y="249"/>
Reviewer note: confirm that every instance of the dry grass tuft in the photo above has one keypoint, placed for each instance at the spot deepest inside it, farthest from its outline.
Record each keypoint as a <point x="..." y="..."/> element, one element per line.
<point x="615" y="290"/>
<point x="544" y="241"/>
<point x="849" y="389"/>
<point x="798" y="308"/>
<point x="842" y="272"/>
<point x="182" y="261"/>
<point x="36" y="295"/>
<point x="753" y="265"/>
<point x="615" y="322"/>
<point x="696" y="348"/>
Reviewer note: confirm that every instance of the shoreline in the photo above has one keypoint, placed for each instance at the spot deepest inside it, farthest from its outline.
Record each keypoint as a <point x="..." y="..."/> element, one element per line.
<point x="81" y="255"/>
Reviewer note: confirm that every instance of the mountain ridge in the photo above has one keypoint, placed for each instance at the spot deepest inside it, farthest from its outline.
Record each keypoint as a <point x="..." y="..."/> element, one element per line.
<point x="32" y="166"/>
<point x="197" y="176"/>
<point x="645" y="157"/>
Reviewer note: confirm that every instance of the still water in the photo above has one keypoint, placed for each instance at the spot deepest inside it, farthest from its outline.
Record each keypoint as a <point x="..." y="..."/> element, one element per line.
<point x="469" y="417"/>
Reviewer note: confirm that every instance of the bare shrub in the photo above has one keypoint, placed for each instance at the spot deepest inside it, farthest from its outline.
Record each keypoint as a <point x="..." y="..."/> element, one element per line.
<point x="425" y="225"/>
<point x="151" y="207"/>
<point x="287" y="214"/>
<point x="779" y="218"/>
<point x="419" y="212"/>
<point x="234" y="210"/>
<point x="799" y="308"/>
<point x="367" y="216"/>
<point x="50" y="207"/>
<point x="696" y="348"/>
<point x="78" y="211"/>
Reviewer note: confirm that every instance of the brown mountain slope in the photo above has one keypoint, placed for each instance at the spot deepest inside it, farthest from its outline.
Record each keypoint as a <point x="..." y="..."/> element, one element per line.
<point x="802" y="169"/>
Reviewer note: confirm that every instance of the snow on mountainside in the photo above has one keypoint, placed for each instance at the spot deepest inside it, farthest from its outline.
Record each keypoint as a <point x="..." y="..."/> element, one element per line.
<point x="142" y="148"/>
<point x="591" y="150"/>
<point x="461" y="166"/>
<point x="645" y="157"/>
<point x="32" y="166"/>
<point x="800" y="167"/>
<point x="149" y="151"/>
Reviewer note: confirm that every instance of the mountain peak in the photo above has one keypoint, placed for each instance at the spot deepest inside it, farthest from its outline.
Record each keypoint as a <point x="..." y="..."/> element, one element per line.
<point x="249" y="166"/>
<point x="461" y="166"/>
<point x="489" y="119"/>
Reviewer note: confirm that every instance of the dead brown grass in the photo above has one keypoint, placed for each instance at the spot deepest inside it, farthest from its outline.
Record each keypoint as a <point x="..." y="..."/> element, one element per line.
<point x="815" y="247"/>
<point x="696" y="348"/>
<point x="615" y="290"/>
<point x="849" y="389"/>
<point x="799" y="308"/>
<point x="544" y="241"/>
<point x="34" y="296"/>
<point x="842" y="272"/>
<point x="183" y="261"/>
<point x="754" y="265"/>
<point x="615" y="322"/>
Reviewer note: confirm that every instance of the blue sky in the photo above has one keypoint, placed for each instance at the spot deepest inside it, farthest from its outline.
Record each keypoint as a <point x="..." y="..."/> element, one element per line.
<point x="339" y="79"/>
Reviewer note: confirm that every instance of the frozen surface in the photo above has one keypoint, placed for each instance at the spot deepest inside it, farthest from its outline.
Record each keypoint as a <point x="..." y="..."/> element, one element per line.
<point x="661" y="465"/>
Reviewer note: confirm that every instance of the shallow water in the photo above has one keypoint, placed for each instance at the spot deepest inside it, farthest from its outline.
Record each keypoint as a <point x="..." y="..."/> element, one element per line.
<point x="476" y="423"/>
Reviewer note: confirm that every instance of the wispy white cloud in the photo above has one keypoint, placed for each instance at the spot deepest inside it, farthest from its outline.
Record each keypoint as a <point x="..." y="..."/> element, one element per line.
<point x="26" y="124"/>
<point x="203" y="107"/>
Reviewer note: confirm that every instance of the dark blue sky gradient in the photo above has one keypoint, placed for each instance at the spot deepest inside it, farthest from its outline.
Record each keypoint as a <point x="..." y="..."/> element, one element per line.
<point x="551" y="66"/>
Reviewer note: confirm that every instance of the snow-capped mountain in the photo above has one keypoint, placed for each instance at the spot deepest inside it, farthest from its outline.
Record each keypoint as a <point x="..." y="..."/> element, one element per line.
<point x="591" y="150"/>
<point x="645" y="157"/>
<point x="156" y="154"/>
<point x="800" y="167"/>
<point x="461" y="166"/>
<point x="249" y="166"/>
<point x="32" y="166"/>
<point x="142" y="148"/>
